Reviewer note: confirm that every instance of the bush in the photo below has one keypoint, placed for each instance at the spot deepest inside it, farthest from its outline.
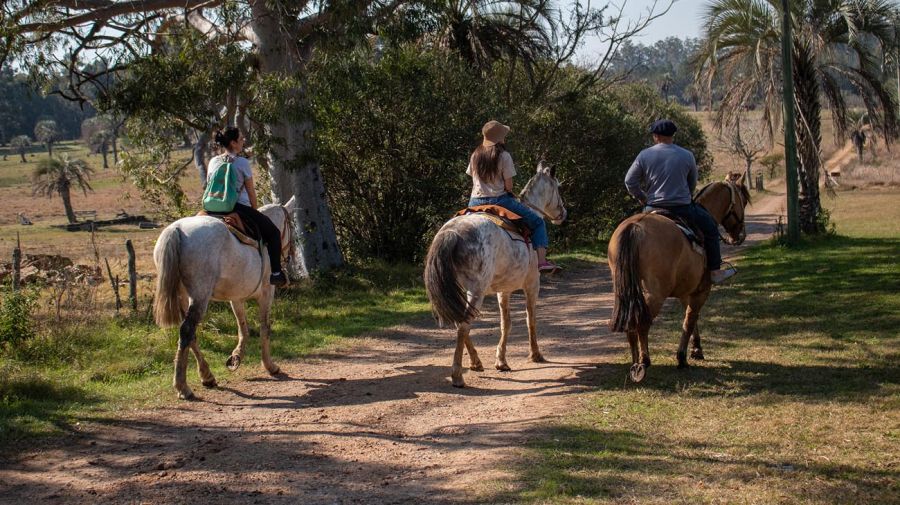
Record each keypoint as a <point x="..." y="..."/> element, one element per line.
<point x="394" y="134"/>
<point x="395" y="130"/>
<point x="16" y="323"/>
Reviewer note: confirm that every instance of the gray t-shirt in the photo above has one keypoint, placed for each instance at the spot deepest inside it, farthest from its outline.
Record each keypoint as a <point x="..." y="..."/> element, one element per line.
<point x="241" y="166"/>
<point x="664" y="174"/>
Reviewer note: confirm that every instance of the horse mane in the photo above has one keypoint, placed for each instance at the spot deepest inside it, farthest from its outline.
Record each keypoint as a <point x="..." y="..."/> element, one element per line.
<point x="745" y="192"/>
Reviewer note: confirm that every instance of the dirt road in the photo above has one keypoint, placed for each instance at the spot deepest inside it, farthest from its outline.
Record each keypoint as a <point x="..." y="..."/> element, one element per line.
<point x="375" y="422"/>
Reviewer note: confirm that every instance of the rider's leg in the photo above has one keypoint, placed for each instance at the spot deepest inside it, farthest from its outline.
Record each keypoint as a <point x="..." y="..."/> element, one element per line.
<point x="710" y="236"/>
<point x="270" y="235"/>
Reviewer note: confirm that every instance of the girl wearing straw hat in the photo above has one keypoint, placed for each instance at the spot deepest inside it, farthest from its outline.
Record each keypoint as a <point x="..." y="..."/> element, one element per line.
<point x="492" y="169"/>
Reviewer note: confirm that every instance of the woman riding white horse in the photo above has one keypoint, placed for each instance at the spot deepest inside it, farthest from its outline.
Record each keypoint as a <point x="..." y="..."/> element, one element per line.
<point x="471" y="257"/>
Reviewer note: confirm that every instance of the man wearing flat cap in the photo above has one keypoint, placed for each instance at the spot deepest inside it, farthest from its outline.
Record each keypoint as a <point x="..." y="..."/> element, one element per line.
<point x="665" y="176"/>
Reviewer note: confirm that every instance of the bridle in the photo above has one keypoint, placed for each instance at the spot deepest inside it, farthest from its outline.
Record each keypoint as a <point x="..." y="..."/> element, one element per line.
<point x="731" y="213"/>
<point x="287" y="236"/>
<point x="523" y="197"/>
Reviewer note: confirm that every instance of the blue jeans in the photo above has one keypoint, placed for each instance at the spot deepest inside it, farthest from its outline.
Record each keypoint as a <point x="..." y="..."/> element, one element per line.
<point x="534" y="221"/>
<point x="697" y="214"/>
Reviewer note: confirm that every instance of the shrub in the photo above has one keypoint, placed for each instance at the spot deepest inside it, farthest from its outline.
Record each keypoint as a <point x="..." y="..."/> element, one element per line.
<point x="16" y="324"/>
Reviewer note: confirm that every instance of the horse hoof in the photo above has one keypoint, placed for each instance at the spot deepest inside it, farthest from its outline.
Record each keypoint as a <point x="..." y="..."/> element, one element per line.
<point x="682" y="360"/>
<point x="458" y="382"/>
<point x="210" y="384"/>
<point x="503" y="367"/>
<point x="697" y="354"/>
<point x="637" y="372"/>
<point x="477" y="367"/>
<point x="537" y="358"/>
<point x="275" y="372"/>
<point x="233" y="362"/>
<point x="187" y="395"/>
<point x="682" y="364"/>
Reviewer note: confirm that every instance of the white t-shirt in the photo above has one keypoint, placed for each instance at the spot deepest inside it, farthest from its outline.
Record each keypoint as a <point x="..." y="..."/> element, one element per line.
<point x="241" y="166"/>
<point x="490" y="189"/>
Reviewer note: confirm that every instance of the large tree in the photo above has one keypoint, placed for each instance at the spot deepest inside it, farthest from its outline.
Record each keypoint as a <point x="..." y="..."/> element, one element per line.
<point x="836" y="42"/>
<point x="279" y="36"/>
<point x="47" y="132"/>
<point x="54" y="176"/>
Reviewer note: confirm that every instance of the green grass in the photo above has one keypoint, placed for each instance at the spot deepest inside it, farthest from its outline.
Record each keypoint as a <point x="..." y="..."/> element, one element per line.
<point x="15" y="173"/>
<point x="83" y="371"/>
<point x="797" y="402"/>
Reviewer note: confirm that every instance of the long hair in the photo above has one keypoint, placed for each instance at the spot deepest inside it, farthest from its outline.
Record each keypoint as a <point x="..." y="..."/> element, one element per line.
<point x="486" y="161"/>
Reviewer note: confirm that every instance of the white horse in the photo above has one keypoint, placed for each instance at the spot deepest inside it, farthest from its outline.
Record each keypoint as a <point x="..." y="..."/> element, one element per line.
<point x="198" y="260"/>
<point x="471" y="257"/>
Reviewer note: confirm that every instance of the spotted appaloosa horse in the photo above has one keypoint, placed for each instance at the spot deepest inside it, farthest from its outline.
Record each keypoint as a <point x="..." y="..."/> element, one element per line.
<point x="471" y="257"/>
<point x="199" y="260"/>
<point x="651" y="260"/>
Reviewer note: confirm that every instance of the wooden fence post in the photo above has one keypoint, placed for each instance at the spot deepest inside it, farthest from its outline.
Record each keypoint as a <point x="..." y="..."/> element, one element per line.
<point x="132" y="276"/>
<point x="114" y="282"/>
<point x="17" y="263"/>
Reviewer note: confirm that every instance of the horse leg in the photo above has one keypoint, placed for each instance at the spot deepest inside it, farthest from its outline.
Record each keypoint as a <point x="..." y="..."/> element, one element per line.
<point x="655" y="305"/>
<point x="633" y="344"/>
<point x="697" y="350"/>
<point x="265" y="303"/>
<point x="475" y="364"/>
<point x="690" y="319"/>
<point x="462" y="334"/>
<point x="187" y="335"/>
<point x="503" y="303"/>
<point x="531" y="296"/>
<point x="240" y="314"/>
<point x="206" y="376"/>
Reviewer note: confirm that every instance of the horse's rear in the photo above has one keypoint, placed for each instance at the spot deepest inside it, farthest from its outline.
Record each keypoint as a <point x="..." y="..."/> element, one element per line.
<point x="650" y="260"/>
<point x="469" y="258"/>
<point x="198" y="260"/>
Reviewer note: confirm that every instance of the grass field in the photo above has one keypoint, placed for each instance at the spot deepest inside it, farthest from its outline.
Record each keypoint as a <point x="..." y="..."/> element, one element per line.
<point x="797" y="402"/>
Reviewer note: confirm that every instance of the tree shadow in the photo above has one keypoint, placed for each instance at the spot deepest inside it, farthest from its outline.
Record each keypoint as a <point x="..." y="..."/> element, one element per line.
<point x="585" y="463"/>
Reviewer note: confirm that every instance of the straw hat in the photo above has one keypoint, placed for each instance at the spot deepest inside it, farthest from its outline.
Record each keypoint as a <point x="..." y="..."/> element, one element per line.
<point x="494" y="132"/>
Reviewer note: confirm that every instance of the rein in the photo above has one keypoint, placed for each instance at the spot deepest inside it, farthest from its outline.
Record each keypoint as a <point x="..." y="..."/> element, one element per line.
<point x="288" y="232"/>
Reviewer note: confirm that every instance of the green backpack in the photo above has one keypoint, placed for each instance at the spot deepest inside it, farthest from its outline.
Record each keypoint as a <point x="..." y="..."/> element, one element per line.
<point x="222" y="189"/>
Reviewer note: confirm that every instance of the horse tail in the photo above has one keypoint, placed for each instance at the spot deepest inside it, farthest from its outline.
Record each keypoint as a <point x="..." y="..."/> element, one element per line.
<point x="630" y="310"/>
<point x="167" y="306"/>
<point x="449" y="303"/>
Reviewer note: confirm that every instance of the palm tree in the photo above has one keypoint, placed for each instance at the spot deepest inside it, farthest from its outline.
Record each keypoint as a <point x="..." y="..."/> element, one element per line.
<point x="836" y="43"/>
<point x="483" y="31"/>
<point x="58" y="175"/>
<point x="47" y="131"/>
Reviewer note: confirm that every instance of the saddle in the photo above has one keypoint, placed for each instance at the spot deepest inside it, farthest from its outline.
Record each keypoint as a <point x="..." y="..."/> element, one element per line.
<point x="246" y="233"/>
<point x="688" y="228"/>
<point x="502" y="217"/>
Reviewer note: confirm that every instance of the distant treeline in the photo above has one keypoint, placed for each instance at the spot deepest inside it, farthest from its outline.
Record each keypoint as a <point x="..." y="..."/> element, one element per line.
<point x="22" y="106"/>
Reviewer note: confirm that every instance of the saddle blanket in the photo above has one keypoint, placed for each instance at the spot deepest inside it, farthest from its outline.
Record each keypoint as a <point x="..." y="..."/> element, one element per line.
<point x="502" y="217"/>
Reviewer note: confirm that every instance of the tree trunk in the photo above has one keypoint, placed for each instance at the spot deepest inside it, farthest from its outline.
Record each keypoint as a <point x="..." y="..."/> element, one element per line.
<point x="200" y="148"/>
<point x="50" y="149"/>
<point x="104" y="150"/>
<point x="293" y="169"/>
<point x="115" y="146"/>
<point x="22" y="154"/>
<point x="67" y="203"/>
<point x="749" y="162"/>
<point x="809" y="138"/>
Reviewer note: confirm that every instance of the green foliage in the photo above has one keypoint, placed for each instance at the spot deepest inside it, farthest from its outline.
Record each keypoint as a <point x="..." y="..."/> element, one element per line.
<point x="395" y="130"/>
<point x="57" y="175"/>
<point x="394" y="135"/>
<point x="16" y="323"/>
<point x="772" y="162"/>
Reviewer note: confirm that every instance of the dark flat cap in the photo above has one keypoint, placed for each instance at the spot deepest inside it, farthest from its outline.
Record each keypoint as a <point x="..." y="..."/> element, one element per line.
<point x="664" y="127"/>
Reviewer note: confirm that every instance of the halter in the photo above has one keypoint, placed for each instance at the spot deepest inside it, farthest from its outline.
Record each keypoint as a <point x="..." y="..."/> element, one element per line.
<point x="523" y="198"/>
<point x="731" y="212"/>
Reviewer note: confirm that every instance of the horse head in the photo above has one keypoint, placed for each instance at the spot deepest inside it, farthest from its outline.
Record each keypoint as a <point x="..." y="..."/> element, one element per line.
<point x="280" y="214"/>
<point x="733" y="219"/>
<point x="542" y="194"/>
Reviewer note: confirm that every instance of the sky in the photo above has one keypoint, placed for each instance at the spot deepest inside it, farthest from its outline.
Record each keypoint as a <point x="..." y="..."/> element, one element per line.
<point x="682" y="20"/>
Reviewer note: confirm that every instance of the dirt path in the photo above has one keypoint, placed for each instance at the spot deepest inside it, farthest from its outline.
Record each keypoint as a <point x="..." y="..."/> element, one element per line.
<point x="377" y="422"/>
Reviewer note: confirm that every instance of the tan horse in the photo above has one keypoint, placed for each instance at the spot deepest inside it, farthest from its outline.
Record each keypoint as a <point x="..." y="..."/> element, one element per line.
<point x="651" y="260"/>
<point x="471" y="257"/>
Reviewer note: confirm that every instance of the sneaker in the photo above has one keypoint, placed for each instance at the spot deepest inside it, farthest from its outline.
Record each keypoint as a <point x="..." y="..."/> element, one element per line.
<point x="278" y="279"/>
<point x="719" y="276"/>
<point x="548" y="266"/>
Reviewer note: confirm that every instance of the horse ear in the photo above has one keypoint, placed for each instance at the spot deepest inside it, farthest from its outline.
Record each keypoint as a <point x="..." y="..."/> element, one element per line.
<point x="291" y="203"/>
<point x="540" y="167"/>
